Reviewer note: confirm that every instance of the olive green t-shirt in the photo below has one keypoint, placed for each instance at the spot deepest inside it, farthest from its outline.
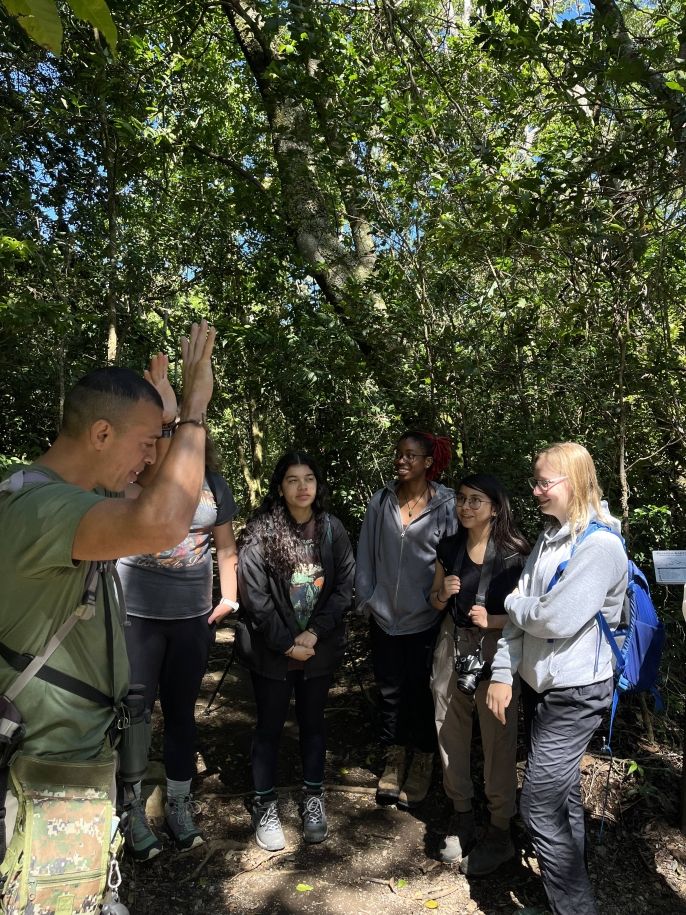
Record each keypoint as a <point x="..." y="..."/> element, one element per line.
<point x="40" y="587"/>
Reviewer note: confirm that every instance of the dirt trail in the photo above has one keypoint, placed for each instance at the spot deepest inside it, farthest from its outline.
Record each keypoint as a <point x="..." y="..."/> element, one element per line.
<point x="380" y="859"/>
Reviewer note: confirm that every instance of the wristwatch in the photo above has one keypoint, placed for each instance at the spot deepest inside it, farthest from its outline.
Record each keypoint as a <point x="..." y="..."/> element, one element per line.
<point x="230" y="603"/>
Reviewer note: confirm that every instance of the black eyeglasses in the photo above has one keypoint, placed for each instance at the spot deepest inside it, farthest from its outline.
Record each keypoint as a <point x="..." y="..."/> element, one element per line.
<point x="471" y="502"/>
<point x="408" y="456"/>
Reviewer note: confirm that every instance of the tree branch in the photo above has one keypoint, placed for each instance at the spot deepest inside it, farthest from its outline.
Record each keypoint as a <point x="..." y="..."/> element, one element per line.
<point x="231" y="164"/>
<point x="672" y="102"/>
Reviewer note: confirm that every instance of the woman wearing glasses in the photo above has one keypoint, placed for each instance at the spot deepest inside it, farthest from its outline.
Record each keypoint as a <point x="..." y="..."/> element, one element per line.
<point x="554" y="641"/>
<point x="477" y="568"/>
<point x="395" y="567"/>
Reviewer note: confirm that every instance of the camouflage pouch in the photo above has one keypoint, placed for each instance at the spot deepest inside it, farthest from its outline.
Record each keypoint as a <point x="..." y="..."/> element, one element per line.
<point x="58" y="858"/>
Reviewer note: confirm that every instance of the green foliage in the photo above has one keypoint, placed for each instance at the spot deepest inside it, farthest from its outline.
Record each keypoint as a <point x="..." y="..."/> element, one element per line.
<point x="41" y="20"/>
<point x="394" y="217"/>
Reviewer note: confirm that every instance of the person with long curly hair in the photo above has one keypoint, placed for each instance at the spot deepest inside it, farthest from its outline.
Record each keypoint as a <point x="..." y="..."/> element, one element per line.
<point x="295" y="574"/>
<point x="396" y="557"/>
<point x="554" y="641"/>
<point x="477" y="568"/>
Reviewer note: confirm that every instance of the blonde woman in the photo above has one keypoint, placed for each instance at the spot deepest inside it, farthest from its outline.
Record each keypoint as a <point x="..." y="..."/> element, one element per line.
<point x="554" y="642"/>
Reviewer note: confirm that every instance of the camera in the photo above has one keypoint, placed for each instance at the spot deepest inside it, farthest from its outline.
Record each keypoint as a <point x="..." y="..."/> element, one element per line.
<point x="471" y="670"/>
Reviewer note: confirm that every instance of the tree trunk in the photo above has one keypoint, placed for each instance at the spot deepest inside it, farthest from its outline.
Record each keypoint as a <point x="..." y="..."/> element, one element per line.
<point x="110" y="161"/>
<point x="332" y="236"/>
<point x="252" y="465"/>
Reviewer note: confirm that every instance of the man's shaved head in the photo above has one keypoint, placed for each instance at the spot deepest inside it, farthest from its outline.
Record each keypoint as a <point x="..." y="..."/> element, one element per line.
<point x="108" y="394"/>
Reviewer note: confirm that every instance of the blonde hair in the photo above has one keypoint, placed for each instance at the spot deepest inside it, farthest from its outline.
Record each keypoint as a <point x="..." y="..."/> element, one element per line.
<point x="575" y="463"/>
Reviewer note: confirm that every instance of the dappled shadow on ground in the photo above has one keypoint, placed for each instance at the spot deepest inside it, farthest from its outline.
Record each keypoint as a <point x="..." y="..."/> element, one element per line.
<point x="377" y="859"/>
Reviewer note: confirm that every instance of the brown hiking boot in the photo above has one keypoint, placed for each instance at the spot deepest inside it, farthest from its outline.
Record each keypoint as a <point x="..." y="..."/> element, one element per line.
<point x="388" y="789"/>
<point x="490" y="852"/>
<point x="416" y="785"/>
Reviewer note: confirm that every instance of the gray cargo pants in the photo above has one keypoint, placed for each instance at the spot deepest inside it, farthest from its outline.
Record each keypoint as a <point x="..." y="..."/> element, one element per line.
<point x="560" y="724"/>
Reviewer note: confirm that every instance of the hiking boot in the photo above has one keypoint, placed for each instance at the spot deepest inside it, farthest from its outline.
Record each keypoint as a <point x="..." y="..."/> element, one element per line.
<point x="141" y="842"/>
<point x="267" y="825"/>
<point x="315" y="827"/>
<point x="178" y="813"/>
<point x="493" y="849"/>
<point x="388" y="789"/>
<point x="459" y="839"/>
<point x="416" y="786"/>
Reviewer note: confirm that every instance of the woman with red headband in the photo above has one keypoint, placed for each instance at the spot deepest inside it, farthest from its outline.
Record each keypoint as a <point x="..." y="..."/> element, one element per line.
<point x="395" y="568"/>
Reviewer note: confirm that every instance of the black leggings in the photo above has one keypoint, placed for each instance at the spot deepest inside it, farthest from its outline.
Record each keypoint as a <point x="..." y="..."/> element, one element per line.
<point x="402" y="667"/>
<point x="172" y="654"/>
<point x="272" y="698"/>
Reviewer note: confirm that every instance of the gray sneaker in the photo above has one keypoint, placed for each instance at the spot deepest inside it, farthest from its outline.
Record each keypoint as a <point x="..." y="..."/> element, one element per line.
<point x="460" y="837"/>
<point x="141" y="842"/>
<point x="267" y="825"/>
<point x="178" y="813"/>
<point x="315" y="827"/>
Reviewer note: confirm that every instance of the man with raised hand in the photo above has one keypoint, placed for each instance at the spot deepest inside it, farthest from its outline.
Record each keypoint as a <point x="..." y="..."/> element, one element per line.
<point x="59" y="516"/>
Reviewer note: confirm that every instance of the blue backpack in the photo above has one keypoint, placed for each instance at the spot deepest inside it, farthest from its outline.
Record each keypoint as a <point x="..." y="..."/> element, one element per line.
<point x="638" y="640"/>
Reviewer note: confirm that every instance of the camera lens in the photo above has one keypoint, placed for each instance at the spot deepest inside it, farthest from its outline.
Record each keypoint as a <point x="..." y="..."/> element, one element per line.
<point x="467" y="684"/>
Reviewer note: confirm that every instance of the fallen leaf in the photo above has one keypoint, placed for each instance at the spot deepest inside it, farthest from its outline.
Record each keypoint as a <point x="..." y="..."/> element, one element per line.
<point x="304" y="887"/>
<point x="431" y="904"/>
<point x="401" y="883"/>
<point x="344" y="771"/>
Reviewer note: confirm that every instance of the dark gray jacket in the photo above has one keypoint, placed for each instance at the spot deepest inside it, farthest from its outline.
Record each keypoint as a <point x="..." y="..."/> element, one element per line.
<point x="269" y="627"/>
<point x="395" y="565"/>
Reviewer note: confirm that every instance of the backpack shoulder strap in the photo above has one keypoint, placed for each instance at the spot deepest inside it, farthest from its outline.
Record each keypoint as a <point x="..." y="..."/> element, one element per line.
<point x="84" y="611"/>
<point x="212" y="483"/>
<point x="592" y="527"/>
<point x="609" y="635"/>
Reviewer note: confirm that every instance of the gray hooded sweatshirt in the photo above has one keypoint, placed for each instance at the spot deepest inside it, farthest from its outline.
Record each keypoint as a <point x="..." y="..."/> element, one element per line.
<point x="553" y="638"/>
<point x="395" y="565"/>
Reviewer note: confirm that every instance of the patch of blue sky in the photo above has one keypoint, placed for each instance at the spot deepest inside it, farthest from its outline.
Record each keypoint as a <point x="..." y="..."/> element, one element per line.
<point x="577" y="9"/>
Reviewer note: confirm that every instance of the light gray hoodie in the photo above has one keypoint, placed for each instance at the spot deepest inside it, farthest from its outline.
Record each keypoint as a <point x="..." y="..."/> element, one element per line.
<point x="395" y="565"/>
<point x="553" y="638"/>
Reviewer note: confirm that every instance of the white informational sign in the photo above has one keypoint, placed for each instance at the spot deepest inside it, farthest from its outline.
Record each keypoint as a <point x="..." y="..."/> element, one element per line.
<point x="670" y="567"/>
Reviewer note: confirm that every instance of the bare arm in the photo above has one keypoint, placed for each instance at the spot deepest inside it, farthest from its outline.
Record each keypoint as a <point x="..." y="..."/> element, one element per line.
<point x="161" y="516"/>
<point x="227" y="562"/>
<point x="480" y="617"/>
<point x="443" y="588"/>
<point x="158" y="376"/>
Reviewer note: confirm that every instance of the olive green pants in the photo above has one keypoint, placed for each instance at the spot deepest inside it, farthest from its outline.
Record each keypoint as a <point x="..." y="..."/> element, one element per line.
<point x="454" y="712"/>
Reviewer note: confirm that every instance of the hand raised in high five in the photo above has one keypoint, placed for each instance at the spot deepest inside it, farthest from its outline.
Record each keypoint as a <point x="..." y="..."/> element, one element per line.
<point x="196" y="352"/>
<point x="157" y="376"/>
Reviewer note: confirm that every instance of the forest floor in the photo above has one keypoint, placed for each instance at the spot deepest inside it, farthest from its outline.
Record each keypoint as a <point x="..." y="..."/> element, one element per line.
<point x="381" y="859"/>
